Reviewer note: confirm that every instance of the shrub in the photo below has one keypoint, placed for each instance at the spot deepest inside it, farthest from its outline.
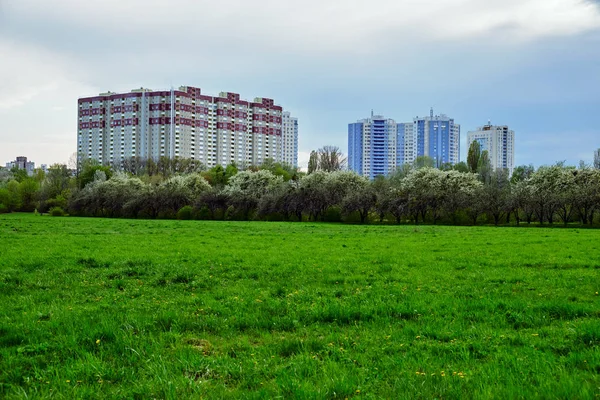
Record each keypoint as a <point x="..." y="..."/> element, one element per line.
<point x="56" y="212"/>
<point x="185" y="213"/>
<point x="203" y="214"/>
<point x="3" y="209"/>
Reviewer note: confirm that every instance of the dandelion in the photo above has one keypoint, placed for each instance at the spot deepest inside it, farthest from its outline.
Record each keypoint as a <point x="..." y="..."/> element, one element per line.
<point x="97" y="341"/>
<point x="357" y="391"/>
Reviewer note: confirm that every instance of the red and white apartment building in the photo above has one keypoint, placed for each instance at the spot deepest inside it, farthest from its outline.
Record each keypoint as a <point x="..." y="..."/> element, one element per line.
<point x="183" y="123"/>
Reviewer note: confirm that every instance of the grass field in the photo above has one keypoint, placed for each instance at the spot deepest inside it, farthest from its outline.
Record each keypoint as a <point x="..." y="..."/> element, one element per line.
<point x="100" y="308"/>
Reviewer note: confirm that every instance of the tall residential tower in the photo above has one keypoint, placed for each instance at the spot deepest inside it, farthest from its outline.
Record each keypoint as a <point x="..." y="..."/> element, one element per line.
<point x="499" y="141"/>
<point x="378" y="145"/>
<point x="372" y="146"/>
<point x="181" y="123"/>
<point x="438" y="137"/>
<point x="289" y="142"/>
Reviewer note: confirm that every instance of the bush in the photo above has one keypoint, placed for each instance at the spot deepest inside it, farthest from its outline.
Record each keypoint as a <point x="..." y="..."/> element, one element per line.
<point x="3" y="209"/>
<point x="185" y="213"/>
<point x="203" y="214"/>
<point x="56" y="212"/>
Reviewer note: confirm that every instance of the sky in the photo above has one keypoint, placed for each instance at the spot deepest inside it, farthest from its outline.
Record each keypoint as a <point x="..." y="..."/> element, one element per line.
<point x="533" y="65"/>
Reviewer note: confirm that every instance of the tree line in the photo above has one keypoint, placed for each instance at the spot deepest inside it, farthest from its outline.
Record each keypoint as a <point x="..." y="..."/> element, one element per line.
<point x="465" y="194"/>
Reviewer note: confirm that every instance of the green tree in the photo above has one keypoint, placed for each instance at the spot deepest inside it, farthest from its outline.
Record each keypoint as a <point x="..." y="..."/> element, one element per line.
<point x="9" y="196"/>
<point x="424" y="162"/>
<point x="484" y="167"/>
<point x="28" y="194"/>
<point x="496" y="194"/>
<point x="19" y="174"/>
<point x="246" y="188"/>
<point x="361" y="200"/>
<point x="87" y="172"/>
<point x="57" y="180"/>
<point x="521" y="173"/>
<point x="313" y="162"/>
<point x="461" y="167"/>
<point x="473" y="156"/>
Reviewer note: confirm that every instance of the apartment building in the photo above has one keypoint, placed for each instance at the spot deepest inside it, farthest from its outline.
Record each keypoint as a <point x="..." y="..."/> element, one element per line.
<point x="372" y="146"/>
<point x="499" y="141"/>
<point x="437" y="137"/>
<point x="183" y="123"/>
<point x="378" y="145"/>
<point x="22" y="163"/>
<point x="289" y="142"/>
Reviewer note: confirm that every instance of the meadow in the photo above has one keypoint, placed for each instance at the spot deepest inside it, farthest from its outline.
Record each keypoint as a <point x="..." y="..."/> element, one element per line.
<point x="115" y="308"/>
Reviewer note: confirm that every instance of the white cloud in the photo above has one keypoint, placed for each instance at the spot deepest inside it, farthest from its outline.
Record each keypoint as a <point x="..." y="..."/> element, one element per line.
<point x="29" y="72"/>
<point x="38" y="95"/>
<point x="317" y="25"/>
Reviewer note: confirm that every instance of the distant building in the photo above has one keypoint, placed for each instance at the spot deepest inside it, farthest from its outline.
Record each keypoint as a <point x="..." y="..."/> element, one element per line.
<point x="22" y="163"/>
<point x="437" y="137"/>
<point x="182" y="123"/>
<point x="289" y="143"/>
<point x="597" y="159"/>
<point x="372" y="146"/>
<point x="378" y="145"/>
<point x="499" y="141"/>
<point x="407" y="144"/>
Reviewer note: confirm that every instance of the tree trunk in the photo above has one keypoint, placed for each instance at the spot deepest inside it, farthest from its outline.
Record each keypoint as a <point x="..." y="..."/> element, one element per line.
<point x="496" y="218"/>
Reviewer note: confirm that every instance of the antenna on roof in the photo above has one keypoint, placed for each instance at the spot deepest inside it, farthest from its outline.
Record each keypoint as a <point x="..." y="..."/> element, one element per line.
<point x="431" y="112"/>
<point x="371" y="113"/>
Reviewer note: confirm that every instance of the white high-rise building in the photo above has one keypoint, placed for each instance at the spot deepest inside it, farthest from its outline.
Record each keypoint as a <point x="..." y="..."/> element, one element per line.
<point x="407" y="144"/>
<point x="499" y="141"/>
<point x="182" y="123"/>
<point x="289" y="142"/>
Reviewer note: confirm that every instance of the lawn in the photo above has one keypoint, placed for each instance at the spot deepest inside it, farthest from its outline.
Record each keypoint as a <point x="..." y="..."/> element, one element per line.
<point x="102" y="308"/>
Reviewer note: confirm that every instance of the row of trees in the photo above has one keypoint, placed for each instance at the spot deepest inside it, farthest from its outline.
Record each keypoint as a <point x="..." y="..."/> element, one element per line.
<point x="465" y="194"/>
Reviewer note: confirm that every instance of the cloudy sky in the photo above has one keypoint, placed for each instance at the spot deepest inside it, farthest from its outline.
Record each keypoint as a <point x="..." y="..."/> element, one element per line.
<point x="531" y="64"/>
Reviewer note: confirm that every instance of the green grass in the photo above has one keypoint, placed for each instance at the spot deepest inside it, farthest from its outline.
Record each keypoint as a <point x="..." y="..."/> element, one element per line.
<point x="100" y="308"/>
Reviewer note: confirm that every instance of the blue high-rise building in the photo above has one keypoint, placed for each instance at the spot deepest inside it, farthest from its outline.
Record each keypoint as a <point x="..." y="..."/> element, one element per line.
<point x="377" y="145"/>
<point x="372" y="146"/>
<point x="438" y="137"/>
